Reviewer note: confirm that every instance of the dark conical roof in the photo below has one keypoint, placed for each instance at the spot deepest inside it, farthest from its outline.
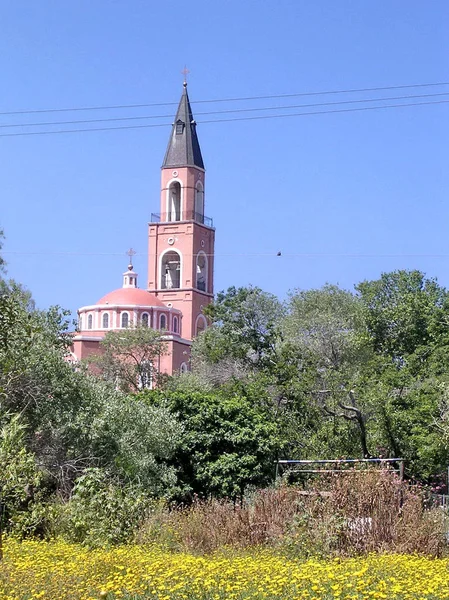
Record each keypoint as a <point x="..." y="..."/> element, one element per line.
<point x="183" y="148"/>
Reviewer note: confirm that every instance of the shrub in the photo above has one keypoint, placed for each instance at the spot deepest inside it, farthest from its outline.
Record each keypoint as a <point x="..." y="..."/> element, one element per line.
<point x="354" y="513"/>
<point x="101" y="512"/>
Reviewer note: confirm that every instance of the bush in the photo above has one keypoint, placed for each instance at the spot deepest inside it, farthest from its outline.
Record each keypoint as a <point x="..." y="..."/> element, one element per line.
<point x="349" y="514"/>
<point x="100" y="512"/>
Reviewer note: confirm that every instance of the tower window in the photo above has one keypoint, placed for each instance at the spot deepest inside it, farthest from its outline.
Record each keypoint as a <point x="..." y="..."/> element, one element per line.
<point x="80" y="323"/>
<point x="174" y="201"/>
<point x="105" y="320"/>
<point x="125" y="319"/>
<point x="145" y="320"/>
<point x="199" y="202"/>
<point x="163" y="322"/>
<point x="175" y="324"/>
<point x="179" y="127"/>
<point x="201" y="272"/>
<point x="89" y="322"/>
<point x="171" y="270"/>
<point x="201" y="324"/>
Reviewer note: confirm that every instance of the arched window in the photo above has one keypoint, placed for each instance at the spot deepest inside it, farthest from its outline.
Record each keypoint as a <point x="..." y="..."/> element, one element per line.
<point x="201" y="271"/>
<point x="171" y="270"/>
<point x="90" y="320"/>
<point x="163" y="322"/>
<point x="146" y="375"/>
<point x="201" y="324"/>
<point x="80" y="323"/>
<point x="105" y="320"/>
<point x="174" y="202"/>
<point x="125" y="319"/>
<point x="145" y="320"/>
<point x="199" y="202"/>
<point x="175" y="325"/>
<point x="183" y="368"/>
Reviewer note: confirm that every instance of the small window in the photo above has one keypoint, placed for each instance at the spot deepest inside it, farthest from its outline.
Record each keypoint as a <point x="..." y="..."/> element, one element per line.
<point x="183" y="368"/>
<point x="125" y="319"/>
<point x="80" y="324"/>
<point x="175" y="324"/>
<point x="179" y="127"/>
<point x="105" y="320"/>
<point x="146" y="375"/>
<point x="89" y="322"/>
<point x="145" y="320"/>
<point x="163" y="322"/>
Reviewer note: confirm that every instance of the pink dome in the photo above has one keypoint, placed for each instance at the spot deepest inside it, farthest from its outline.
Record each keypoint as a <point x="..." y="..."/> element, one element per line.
<point x="131" y="296"/>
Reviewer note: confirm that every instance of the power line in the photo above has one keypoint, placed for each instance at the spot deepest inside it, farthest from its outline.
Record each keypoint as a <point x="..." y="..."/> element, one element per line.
<point x="220" y="112"/>
<point x="238" y="99"/>
<point x="245" y="254"/>
<point x="303" y="114"/>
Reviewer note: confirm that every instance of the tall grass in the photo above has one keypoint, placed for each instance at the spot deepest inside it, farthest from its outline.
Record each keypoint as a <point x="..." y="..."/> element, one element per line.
<point x="348" y="514"/>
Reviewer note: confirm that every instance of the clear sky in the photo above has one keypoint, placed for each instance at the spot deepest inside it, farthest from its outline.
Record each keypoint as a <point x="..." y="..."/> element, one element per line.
<point x="344" y="196"/>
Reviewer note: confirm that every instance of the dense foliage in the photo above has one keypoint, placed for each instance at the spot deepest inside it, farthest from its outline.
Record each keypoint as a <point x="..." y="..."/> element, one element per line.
<point x="329" y="373"/>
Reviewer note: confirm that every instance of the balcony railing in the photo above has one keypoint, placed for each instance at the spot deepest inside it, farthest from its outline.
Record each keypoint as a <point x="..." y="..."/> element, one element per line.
<point x="185" y="216"/>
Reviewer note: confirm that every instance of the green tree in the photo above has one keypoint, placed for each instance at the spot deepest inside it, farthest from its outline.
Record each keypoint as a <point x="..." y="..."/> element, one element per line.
<point x="131" y="357"/>
<point x="326" y="327"/>
<point x="229" y="442"/>
<point x="404" y="311"/>
<point x="244" y="324"/>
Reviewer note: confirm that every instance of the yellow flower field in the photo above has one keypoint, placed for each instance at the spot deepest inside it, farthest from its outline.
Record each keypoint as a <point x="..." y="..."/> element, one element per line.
<point x="57" y="571"/>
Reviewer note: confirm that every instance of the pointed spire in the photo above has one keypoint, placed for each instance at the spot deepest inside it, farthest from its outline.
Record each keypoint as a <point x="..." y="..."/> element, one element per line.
<point x="183" y="148"/>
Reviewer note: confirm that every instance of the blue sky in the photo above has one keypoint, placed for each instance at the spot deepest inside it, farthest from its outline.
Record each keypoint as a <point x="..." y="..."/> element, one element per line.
<point x="359" y="192"/>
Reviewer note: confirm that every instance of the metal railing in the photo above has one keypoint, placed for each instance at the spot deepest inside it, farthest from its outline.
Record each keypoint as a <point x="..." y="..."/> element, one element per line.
<point x="185" y="216"/>
<point x="335" y="465"/>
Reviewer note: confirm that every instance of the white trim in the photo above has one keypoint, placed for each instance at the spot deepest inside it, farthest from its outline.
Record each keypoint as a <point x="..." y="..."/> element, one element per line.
<point x="167" y="198"/>
<point x="113" y="307"/>
<point x="181" y="270"/>
<point x="87" y="338"/>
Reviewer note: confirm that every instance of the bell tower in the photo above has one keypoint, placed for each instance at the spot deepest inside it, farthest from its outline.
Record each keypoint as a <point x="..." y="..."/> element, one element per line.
<point x="181" y="237"/>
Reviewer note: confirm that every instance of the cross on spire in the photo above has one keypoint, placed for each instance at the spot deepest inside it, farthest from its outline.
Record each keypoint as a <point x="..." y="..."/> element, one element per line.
<point x="131" y="252"/>
<point x="185" y="72"/>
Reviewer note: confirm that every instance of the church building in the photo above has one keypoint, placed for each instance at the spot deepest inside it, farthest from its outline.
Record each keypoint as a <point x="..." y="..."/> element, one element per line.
<point x="180" y="260"/>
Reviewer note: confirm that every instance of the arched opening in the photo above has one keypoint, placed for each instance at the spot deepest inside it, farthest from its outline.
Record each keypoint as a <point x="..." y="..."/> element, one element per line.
<point x="146" y="375"/>
<point x="163" y="322"/>
<point x="201" y="271"/>
<point x="170" y="270"/>
<point x="199" y="202"/>
<point x="105" y="320"/>
<point x="80" y="323"/>
<point x="174" y="202"/>
<point x="125" y="319"/>
<point x="175" y="325"/>
<point x="183" y="368"/>
<point x="90" y="321"/>
<point x="201" y="324"/>
<point x="145" y="320"/>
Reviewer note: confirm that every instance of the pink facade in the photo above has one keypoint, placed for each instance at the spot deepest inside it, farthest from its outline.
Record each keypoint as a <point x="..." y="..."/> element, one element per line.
<point x="180" y="261"/>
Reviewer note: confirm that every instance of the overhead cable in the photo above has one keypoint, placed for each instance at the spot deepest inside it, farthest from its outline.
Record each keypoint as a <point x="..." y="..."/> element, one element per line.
<point x="237" y="99"/>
